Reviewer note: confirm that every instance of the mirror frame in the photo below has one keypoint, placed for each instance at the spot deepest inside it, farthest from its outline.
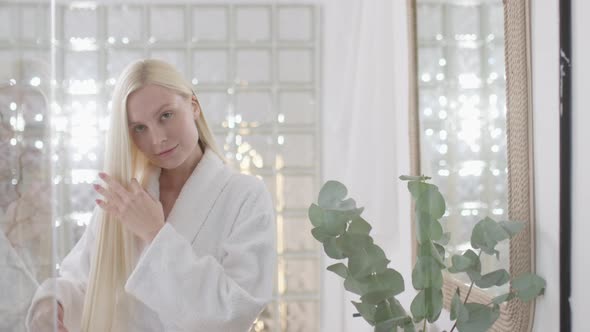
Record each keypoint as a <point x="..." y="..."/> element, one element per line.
<point x="515" y="315"/>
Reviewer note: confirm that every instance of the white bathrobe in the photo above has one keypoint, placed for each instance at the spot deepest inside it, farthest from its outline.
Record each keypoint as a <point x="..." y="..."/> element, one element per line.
<point x="210" y="268"/>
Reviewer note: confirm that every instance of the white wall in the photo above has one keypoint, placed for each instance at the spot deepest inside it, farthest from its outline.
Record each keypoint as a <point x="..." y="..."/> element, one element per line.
<point x="545" y="43"/>
<point x="581" y="165"/>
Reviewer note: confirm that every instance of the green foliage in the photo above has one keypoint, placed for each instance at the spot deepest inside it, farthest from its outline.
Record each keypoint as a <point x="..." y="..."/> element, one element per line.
<point x="345" y="235"/>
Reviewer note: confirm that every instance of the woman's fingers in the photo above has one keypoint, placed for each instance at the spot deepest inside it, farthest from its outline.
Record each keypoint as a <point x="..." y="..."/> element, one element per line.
<point x="115" y="188"/>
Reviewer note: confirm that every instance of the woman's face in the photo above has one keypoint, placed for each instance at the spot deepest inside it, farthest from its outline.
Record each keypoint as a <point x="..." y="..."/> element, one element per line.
<point x="162" y="125"/>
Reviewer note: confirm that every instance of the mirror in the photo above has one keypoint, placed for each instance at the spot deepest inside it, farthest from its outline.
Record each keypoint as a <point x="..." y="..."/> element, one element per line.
<point x="470" y="126"/>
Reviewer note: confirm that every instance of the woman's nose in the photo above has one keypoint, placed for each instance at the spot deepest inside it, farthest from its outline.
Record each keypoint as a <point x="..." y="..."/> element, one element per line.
<point x="158" y="136"/>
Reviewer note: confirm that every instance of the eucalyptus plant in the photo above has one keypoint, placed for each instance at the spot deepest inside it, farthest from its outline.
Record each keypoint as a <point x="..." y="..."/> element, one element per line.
<point x="345" y="235"/>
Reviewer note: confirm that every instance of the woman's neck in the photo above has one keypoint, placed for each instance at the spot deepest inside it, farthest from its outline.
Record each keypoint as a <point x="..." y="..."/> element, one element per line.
<point x="174" y="179"/>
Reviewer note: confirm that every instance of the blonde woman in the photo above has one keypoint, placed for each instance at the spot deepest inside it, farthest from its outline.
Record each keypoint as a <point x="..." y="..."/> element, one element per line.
<point x="178" y="241"/>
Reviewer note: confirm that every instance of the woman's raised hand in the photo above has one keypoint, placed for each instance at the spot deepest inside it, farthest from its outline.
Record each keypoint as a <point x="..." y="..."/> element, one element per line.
<point x="135" y="208"/>
<point x="44" y="319"/>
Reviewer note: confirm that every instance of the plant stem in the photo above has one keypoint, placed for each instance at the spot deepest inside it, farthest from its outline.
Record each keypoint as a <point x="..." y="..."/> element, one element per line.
<point x="466" y="296"/>
<point x="424" y="326"/>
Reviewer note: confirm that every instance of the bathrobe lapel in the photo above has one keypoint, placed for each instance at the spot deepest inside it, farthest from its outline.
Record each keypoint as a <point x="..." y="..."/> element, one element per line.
<point x="197" y="196"/>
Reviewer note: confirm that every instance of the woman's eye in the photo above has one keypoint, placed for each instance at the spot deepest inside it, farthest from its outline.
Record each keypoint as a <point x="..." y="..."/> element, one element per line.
<point x="167" y="115"/>
<point x="139" y="128"/>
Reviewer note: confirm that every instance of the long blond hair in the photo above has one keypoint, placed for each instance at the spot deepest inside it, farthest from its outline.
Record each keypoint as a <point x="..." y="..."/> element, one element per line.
<point x="115" y="253"/>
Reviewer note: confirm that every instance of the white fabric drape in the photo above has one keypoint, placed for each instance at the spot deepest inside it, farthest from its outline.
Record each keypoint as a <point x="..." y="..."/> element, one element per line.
<point x="364" y="92"/>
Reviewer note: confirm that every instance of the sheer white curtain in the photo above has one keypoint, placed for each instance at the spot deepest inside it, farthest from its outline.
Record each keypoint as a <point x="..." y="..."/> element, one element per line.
<point x="365" y="132"/>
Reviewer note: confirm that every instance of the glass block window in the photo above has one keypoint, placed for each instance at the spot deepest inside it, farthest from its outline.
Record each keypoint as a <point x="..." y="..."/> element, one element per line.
<point x="255" y="69"/>
<point x="462" y="112"/>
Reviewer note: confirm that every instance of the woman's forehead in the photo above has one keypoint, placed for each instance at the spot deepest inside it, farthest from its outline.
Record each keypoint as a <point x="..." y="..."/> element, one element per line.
<point x="150" y="99"/>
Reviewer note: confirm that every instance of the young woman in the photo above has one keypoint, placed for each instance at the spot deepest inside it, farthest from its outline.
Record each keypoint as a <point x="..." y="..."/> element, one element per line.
<point x="178" y="241"/>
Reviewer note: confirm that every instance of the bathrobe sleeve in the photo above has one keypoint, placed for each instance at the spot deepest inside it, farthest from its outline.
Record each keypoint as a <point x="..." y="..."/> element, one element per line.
<point x="69" y="287"/>
<point x="193" y="292"/>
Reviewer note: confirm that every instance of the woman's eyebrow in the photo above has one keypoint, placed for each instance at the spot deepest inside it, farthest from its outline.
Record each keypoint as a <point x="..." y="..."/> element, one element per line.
<point x="156" y="113"/>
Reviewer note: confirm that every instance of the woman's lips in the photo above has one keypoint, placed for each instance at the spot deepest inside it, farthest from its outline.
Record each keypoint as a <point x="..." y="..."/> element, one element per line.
<point x="166" y="153"/>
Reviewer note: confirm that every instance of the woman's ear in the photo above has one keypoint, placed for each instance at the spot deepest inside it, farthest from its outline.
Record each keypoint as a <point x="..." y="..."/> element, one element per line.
<point x="196" y="107"/>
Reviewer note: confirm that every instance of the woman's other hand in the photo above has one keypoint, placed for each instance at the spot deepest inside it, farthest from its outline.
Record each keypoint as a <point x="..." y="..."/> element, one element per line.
<point x="44" y="318"/>
<point x="135" y="208"/>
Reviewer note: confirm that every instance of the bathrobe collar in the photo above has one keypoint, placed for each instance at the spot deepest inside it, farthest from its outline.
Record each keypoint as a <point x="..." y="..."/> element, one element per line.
<point x="197" y="196"/>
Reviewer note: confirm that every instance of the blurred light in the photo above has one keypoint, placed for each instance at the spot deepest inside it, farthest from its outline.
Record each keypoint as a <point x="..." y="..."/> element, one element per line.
<point x="493" y="99"/>
<point x="442" y="134"/>
<point x="125" y="40"/>
<point x="444" y="172"/>
<point x="39" y="117"/>
<point x="442" y="62"/>
<point x="82" y="87"/>
<point x="195" y="81"/>
<point x="440" y="76"/>
<point x="442" y="162"/>
<point x="55" y="157"/>
<point x="12" y="81"/>
<point x="472" y="167"/>
<point x="439" y="36"/>
<point x="83" y="44"/>
<point x="56" y="108"/>
<point x="57" y="179"/>
<point x="238" y="118"/>
<point x="443" y="149"/>
<point x="442" y="100"/>
<point x="429" y="132"/>
<point x="39" y="145"/>
<point x="496" y="172"/>
<point x="230" y="91"/>
<point x="82" y="218"/>
<point x="469" y="81"/>
<point x="13" y="141"/>
<point x="474" y="212"/>
<point x="281" y="117"/>
<point x="495" y="148"/>
<point x="92" y="156"/>
<point x="13" y="106"/>
<point x="77" y="157"/>
<point x="281" y="140"/>
<point x="83" y="176"/>
<point x="442" y="114"/>
<point x="428" y="111"/>
<point x="111" y="40"/>
<point x="238" y="139"/>
<point x="498" y="211"/>
<point x="426" y="77"/>
<point x="465" y="213"/>
<point x="35" y="81"/>
<point x="491" y="37"/>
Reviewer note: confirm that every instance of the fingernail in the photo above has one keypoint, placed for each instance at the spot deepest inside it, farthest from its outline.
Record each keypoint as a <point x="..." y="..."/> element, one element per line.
<point x="101" y="174"/>
<point x="95" y="186"/>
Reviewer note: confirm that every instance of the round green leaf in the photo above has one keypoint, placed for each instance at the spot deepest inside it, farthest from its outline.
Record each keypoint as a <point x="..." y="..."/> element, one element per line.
<point x="358" y="225"/>
<point x="331" y="194"/>
<point x="432" y="202"/>
<point x="458" y="310"/>
<point x="320" y="234"/>
<point x="481" y="318"/>
<point x="367" y="261"/>
<point x="427" y="273"/>
<point x="366" y="310"/>
<point x="332" y="249"/>
<point x="338" y="268"/>
<point x="528" y="286"/>
<point x="382" y="286"/>
<point x="486" y="234"/>
<point x="316" y="215"/>
<point x="503" y="298"/>
<point x="495" y="278"/>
